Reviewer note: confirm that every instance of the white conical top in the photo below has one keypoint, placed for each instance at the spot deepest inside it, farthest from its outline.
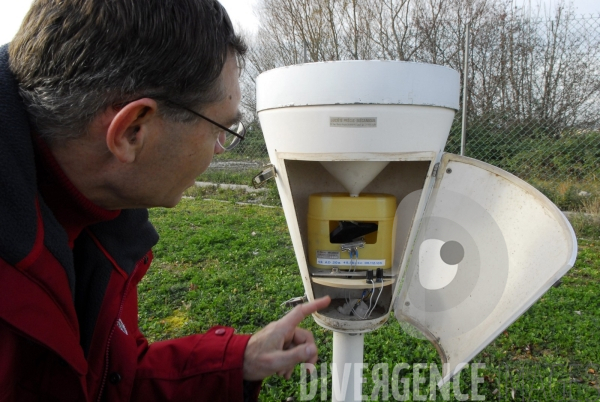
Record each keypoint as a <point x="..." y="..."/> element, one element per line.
<point x="357" y="107"/>
<point x="355" y="175"/>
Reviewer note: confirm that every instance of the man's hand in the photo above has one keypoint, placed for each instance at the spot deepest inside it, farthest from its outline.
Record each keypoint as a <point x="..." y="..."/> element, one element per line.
<point x="279" y="346"/>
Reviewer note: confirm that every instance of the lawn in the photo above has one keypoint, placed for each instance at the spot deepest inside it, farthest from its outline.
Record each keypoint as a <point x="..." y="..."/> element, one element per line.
<point x="220" y="262"/>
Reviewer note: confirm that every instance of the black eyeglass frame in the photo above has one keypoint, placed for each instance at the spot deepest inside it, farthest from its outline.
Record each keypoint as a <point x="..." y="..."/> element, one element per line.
<point x="240" y="135"/>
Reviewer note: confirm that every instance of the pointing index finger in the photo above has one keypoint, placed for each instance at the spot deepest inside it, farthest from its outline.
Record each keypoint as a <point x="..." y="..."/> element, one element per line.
<point x="299" y="313"/>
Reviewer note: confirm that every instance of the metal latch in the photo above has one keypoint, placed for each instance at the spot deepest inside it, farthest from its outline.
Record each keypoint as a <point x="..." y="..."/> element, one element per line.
<point x="352" y="249"/>
<point x="435" y="169"/>
<point x="353" y="246"/>
<point x="260" y="179"/>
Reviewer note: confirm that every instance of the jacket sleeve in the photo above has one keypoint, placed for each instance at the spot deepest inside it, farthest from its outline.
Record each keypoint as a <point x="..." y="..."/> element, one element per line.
<point x="194" y="368"/>
<point x="202" y="367"/>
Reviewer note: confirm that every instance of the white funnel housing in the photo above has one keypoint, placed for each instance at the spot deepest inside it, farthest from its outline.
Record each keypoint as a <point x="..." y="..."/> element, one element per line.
<point x="355" y="107"/>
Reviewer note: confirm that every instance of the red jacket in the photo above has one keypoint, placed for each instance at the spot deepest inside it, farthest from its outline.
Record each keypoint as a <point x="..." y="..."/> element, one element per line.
<point x="68" y="298"/>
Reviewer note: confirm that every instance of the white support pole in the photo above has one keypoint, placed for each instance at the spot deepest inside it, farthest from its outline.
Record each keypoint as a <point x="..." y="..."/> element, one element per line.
<point x="347" y="373"/>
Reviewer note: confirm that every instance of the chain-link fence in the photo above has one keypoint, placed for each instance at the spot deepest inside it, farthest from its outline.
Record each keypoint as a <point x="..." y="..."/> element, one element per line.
<point x="532" y="104"/>
<point x="534" y="109"/>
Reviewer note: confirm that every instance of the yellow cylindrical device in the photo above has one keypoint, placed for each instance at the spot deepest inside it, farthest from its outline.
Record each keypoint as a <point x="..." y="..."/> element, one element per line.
<point x="336" y="221"/>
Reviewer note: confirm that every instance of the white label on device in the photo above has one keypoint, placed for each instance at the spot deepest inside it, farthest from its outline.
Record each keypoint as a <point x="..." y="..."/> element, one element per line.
<point x="350" y="262"/>
<point x="360" y="122"/>
<point x="328" y="255"/>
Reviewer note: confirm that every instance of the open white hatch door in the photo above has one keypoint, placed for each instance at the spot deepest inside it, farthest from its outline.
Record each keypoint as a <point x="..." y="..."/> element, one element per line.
<point x="488" y="246"/>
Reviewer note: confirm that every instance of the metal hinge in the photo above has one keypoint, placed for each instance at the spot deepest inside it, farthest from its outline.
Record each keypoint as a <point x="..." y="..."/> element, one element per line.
<point x="260" y="179"/>
<point x="435" y="170"/>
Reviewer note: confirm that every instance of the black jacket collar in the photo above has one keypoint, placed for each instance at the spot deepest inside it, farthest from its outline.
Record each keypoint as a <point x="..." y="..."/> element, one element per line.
<point x="18" y="211"/>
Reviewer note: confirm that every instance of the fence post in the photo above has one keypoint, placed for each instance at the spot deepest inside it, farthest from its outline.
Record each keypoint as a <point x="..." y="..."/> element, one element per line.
<point x="305" y="48"/>
<point x="463" y="136"/>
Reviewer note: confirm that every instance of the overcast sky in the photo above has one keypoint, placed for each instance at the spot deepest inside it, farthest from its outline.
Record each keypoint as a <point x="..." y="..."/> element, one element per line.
<point x="13" y="11"/>
<point x="240" y="11"/>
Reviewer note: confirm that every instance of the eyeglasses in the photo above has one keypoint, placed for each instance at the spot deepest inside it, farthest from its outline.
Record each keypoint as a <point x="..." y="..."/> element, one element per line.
<point x="233" y="135"/>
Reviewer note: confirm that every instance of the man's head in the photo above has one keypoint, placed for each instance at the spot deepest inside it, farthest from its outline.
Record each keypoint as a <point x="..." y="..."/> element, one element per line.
<point x="76" y="58"/>
<point x="104" y="81"/>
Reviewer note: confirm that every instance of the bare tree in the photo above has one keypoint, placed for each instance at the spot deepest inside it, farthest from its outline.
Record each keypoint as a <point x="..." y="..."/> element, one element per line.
<point x="521" y="68"/>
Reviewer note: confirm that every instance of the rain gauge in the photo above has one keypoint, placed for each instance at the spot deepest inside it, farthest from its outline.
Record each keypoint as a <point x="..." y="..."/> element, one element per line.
<point x="382" y="220"/>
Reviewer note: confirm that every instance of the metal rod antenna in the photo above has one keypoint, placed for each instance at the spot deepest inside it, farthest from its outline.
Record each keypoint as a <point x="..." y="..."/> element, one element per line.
<point x="463" y="137"/>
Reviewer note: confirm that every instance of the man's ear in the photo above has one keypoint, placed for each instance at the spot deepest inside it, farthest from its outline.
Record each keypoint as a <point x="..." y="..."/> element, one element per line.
<point x="129" y="129"/>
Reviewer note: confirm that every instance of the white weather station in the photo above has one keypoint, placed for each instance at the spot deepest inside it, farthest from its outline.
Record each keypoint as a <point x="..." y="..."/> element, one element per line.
<point x="382" y="219"/>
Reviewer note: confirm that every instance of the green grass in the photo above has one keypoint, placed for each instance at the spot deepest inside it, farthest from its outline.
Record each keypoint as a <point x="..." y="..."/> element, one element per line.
<point x="568" y="195"/>
<point x="219" y="262"/>
<point x="212" y="266"/>
<point x="267" y="196"/>
<point x="231" y="176"/>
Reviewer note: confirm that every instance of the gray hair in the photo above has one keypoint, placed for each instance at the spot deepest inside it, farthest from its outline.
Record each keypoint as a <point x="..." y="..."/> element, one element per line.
<point x="75" y="58"/>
